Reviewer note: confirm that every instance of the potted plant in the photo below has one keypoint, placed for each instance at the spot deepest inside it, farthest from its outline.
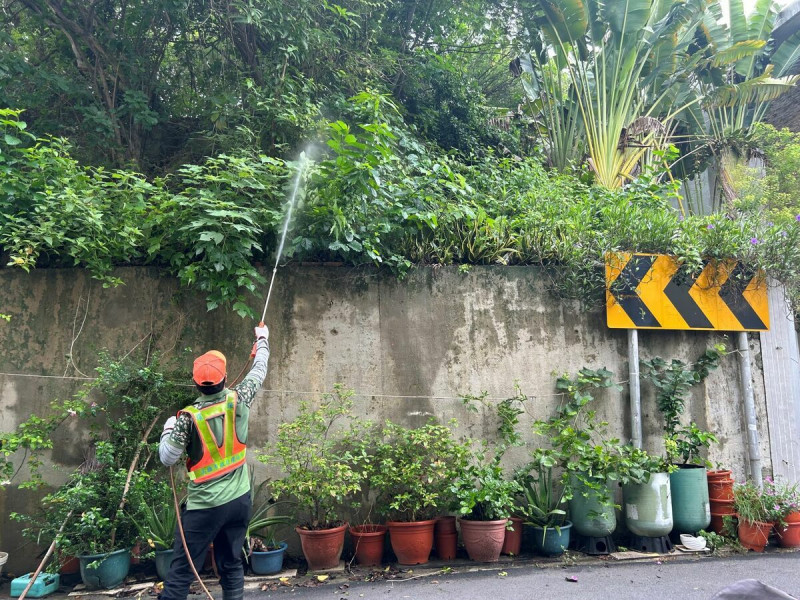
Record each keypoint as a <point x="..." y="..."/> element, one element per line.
<point x="411" y="472"/>
<point x="582" y="448"/>
<point x="646" y="492"/>
<point x="787" y="497"/>
<point x="683" y="443"/>
<point x="544" y="498"/>
<point x="485" y="500"/>
<point x="757" y="511"/>
<point x="261" y="549"/>
<point x="156" y="525"/>
<point x="99" y="532"/>
<point x="320" y="473"/>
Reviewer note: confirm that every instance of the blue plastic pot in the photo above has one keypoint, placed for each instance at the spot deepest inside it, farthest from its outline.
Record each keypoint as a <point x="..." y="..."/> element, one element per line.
<point x="551" y="541"/>
<point x="268" y="563"/>
<point x="163" y="562"/>
<point x="110" y="571"/>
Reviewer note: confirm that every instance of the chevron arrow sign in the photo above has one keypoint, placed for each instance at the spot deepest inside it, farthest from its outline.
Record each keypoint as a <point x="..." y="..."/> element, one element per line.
<point x="649" y="291"/>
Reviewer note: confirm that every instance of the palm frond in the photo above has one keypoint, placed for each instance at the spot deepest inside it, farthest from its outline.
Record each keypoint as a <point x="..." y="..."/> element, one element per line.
<point x="763" y="88"/>
<point x="737" y="52"/>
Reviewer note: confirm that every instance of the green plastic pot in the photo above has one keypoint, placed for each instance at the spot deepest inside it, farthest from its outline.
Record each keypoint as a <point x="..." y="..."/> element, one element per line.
<point x="551" y="541"/>
<point x="691" y="510"/>
<point x="648" y="506"/>
<point x="163" y="562"/>
<point x="590" y="516"/>
<point x="111" y="569"/>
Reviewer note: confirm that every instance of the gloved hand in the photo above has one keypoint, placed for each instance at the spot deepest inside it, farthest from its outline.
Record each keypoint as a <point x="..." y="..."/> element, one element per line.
<point x="168" y="426"/>
<point x="262" y="331"/>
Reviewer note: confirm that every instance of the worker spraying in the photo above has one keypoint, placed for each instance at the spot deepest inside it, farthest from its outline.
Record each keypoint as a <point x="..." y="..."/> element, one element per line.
<point x="213" y="433"/>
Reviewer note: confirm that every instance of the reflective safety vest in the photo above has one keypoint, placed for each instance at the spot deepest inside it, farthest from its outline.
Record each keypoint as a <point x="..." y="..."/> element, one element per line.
<point x="218" y="457"/>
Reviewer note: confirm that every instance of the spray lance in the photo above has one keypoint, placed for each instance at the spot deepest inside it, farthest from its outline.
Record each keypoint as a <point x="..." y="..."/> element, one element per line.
<point x="292" y="201"/>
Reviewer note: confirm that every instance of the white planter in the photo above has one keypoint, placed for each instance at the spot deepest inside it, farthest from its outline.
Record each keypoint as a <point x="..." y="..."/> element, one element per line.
<point x="3" y="560"/>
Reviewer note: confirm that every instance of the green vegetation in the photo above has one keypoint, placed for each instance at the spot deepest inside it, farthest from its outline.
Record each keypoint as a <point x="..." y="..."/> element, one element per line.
<point x="166" y="135"/>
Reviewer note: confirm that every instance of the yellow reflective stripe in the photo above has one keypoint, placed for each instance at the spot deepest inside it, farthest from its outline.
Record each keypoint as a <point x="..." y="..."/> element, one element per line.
<point x="217" y="466"/>
<point x="230" y="422"/>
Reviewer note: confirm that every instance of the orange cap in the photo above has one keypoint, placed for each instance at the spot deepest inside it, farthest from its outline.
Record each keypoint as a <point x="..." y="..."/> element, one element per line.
<point x="209" y="369"/>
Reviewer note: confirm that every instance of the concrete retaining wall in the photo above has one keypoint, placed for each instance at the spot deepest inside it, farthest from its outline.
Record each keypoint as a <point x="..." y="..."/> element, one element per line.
<point x="408" y="348"/>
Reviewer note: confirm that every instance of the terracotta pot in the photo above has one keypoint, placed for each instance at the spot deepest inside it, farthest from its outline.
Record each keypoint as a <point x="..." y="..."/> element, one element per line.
<point x="789" y="535"/>
<point x="368" y="541"/>
<point x="754" y="535"/>
<point x="412" y="541"/>
<point x="446" y="544"/>
<point x="722" y="507"/>
<point x="720" y="489"/>
<point x="483" y="539"/>
<point x="322" y="548"/>
<point x="69" y="565"/>
<point x="793" y="517"/>
<point x="717" y="475"/>
<point x="513" y="540"/>
<point x="136" y="553"/>
<point x="717" y="524"/>
<point x="445" y="524"/>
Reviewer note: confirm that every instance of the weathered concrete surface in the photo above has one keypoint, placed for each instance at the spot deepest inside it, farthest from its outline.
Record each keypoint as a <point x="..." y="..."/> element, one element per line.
<point x="408" y="348"/>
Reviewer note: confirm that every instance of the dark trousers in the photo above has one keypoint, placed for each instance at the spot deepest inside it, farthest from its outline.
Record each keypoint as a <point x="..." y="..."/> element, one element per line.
<point x="224" y="525"/>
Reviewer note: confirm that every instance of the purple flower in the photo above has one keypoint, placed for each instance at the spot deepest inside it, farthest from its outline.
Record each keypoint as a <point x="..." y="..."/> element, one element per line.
<point x="784" y="234"/>
<point x="776" y="507"/>
<point x="680" y="217"/>
<point x="753" y="240"/>
<point x="770" y="223"/>
<point x="710" y="226"/>
<point x="797" y="218"/>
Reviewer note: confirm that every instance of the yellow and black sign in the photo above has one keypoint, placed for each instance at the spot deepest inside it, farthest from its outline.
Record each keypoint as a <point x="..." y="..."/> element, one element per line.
<point x="649" y="291"/>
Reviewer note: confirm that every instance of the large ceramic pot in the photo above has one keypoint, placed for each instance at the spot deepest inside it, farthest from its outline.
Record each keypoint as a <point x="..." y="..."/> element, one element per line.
<point x="483" y="540"/>
<point x="648" y="506"/>
<point x="105" y="571"/>
<point x="269" y="562"/>
<point x="323" y="547"/>
<point x="164" y="562"/>
<point x="590" y="511"/>
<point x="412" y="541"/>
<point x="551" y="541"/>
<point x="368" y="542"/>
<point x="691" y="510"/>
<point x="512" y="544"/>
<point x="754" y="534"/>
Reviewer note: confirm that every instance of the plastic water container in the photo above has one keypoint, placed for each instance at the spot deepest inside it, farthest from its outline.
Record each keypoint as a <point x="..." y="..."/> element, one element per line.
<point x="46" y="583"/>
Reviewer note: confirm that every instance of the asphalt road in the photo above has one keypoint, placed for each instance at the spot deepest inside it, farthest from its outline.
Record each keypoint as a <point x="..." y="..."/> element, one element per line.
<point x="697" y="579"/>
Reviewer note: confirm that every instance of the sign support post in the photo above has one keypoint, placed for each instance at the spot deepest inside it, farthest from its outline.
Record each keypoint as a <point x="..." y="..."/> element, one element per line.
<point x="633" y="386"/>
<point x="753" y="443"/>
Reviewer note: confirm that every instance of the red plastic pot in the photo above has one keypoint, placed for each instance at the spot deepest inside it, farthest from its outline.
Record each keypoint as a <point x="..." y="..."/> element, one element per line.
<point x="722" y="507"/>
<point x="793" y="517"/>
<point x="720" y="489"/>
<point x="446" y="544"/>
<point x="445" y="524"/>
<point x="789" y="536"/>
<point x="754" y="535"/>
<point x="719" y="474"/>
<point x="412" y="541"/>
<point x="368" y="541"/>
<point x="483" y="539"/>
<point x="513" y="540"/>
<point x="323" y="547"/>
<point x="69" y="565"/>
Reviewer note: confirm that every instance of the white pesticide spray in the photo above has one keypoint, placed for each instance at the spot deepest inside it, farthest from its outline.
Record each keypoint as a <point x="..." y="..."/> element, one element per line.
<point x="292" y="201"/>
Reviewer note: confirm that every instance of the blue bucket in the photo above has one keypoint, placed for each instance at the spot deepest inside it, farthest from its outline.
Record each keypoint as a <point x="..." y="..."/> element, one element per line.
<point x="111" y="570"/>
<point x="268" y="563"/>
